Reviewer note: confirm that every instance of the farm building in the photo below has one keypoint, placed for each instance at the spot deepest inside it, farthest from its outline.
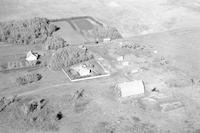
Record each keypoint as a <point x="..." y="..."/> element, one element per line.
<point x="125" y="63"/>
<point x="106" y="40"/>
<point x="82" y="70"/>
<point x="31" y="56"/>
<point x="120" y="58"/>
<point x="133" y="88"/>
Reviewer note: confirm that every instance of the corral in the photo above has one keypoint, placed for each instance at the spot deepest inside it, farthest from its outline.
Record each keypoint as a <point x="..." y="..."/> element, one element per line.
<point x="87" y="70"/>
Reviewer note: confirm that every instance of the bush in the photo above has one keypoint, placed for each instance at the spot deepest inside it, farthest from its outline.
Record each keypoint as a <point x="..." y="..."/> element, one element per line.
<point x="28" y="78"/>
<point x="54" y="43"/>
<point x="24" y="32"/>
<point x="69" y="56"/>
<point x="106" y="32"/>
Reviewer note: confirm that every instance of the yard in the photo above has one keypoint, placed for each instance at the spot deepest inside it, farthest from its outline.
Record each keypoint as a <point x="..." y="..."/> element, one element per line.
<point x="87" y="70"/>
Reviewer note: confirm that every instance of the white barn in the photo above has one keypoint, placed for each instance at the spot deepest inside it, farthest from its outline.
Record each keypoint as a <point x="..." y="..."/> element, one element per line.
<point x="133" y="88"/>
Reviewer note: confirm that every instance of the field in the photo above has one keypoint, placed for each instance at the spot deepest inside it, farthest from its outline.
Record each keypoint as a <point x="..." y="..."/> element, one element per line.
<point x="82" y="30"/>
<point x="160" y="46"/>
<point x="68" y="33"/>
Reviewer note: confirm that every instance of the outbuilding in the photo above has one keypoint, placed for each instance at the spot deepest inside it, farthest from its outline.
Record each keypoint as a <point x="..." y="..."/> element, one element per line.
<point x="132" y="88"/>
<point x="120" y="58"/>
<point x="106" y="40"/>
<point x="82" y="70"/>
<point x="30" y="56"/>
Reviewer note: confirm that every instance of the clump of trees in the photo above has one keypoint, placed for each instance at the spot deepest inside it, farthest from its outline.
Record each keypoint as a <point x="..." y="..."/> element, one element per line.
<point x="101" y="33"/>
<point x="24" y="32"/>
<point x="28" y="78"/>
<point x="54" y="43"/>
<point x="69" y="56"/>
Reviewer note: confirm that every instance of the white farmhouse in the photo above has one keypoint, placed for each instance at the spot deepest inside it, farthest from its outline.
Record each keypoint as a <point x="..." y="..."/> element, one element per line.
<point x="120" y="58"/>
<point x="31" y="56"/>
<point x="82" y="70"/>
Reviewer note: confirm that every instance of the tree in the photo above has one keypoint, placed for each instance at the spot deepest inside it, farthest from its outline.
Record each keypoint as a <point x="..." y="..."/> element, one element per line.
<point x="69" y="56"/>
<point x="101" y="33"/>
<point x="54" y="43"/>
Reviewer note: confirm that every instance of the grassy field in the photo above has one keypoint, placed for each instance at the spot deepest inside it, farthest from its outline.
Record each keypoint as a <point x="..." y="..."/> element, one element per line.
<point x="83" y="24"/>
<point x="68" y="33"/>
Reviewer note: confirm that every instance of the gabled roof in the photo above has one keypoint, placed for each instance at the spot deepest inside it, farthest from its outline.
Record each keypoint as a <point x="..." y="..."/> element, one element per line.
<point x="131" y="88"/>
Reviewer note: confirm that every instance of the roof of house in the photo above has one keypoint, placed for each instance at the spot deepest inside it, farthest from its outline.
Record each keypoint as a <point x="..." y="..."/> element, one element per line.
<point x="82" y="70"/>
<point x="31" y="56"/>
